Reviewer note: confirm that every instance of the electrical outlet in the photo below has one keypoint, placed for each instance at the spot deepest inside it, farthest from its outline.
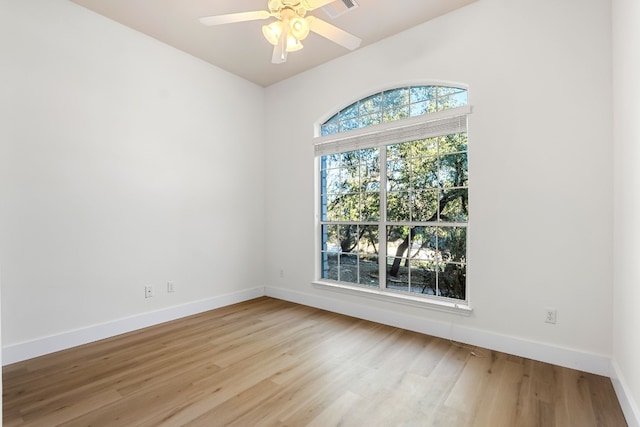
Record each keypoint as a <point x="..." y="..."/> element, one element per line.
<point x="170" y="287"/>
<point x="148" y="291"/>
<point x="550" y="315"/>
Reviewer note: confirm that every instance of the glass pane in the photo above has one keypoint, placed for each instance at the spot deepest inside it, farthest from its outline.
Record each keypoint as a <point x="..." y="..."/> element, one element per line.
<point x="447" y="90"/>
<point x="330" y="241"/>
<point x="368" y="241"/>
<point x="348" y="124"/>
<point x="330" y="126"/>
<point x="350" y="207"/>
<point x="333" y="208"/>
<point x="368" y="255"/>
<point x="330" y="161"/>
<point x="396" y="235"/>
<point x="394" y="105"/>
<point x="422" y="176"/>
<point x="329" y="129"/>
<point x="333" y="119"/>
<point x="397" y="175"/>
<point x="348" y="235"/>
<point x="398" y="206"/>
<point x="443" y="103"/>
<point x="453" y="170"/>
<point x="368" y="267"/>
<point x="453" y="143"/>
<point x="456" y="205"/>
<point x="373" y="185"/>
<point x="372" y="104"/>
<point x="393" y="114"/>
<point x="424" y="147"/>
<point x="458" y="100"/>
<point x="422" y="108"/>
<point x="350" y="176"/>
<point x="332" y="179"/>
<point x="330" y="265"/>
<point x="398" y="274"/>
<point x="369" y="178"/>
<point x="350" y="112"/>
<point x="452" y="101"/>
<point x="461" y="98"/>
<point x="422" y="93"/>
<point x="424" y="246"/>
<point x="350" y="158"/>
<point x="423" y="277"/>
<point x="370" y="206"/>
<point x="371" y="158"/>
<point x="452" y="243"/>
<point x="349" y="268"/>
<point x="452" y="281"/>
<point x="396" y="98"/>
<point x="399" y="151"/>
<point x="424" y="172"/>
<point x="420" y="243"/>
<point x="425" y="206"/>
<point x="370" y="120"/>
<point x="393" y="152"/>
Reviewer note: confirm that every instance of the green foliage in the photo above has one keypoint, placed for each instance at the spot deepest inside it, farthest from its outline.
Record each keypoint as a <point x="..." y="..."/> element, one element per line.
<point x="426" y="193"/>
<point x="427" y="180"/>
<point x="351" y="189"/>
<point x="395" y="104"/>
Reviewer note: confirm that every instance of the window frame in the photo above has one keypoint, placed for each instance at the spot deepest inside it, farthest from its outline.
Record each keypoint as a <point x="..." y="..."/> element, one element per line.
<point x="380" y="136"/>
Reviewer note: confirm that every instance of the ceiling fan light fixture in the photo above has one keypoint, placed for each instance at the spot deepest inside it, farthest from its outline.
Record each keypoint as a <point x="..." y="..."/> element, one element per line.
<point x="293" y="44"/>
<point x="272" y="32"/>
<point x="292" y="25"/>
<point x="299" y="27"/>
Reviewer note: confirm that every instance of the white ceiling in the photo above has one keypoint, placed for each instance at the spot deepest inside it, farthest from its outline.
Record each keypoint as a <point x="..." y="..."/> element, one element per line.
<point x="241" y="49"/>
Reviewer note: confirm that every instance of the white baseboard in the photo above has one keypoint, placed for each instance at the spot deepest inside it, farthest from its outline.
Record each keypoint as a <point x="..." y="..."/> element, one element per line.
<point x="629" y="407"/>
<point x="41" y="346"/>
<point x="587" y="362"/>
<point x="569" y="358"/>
<point x="566" y="357"/>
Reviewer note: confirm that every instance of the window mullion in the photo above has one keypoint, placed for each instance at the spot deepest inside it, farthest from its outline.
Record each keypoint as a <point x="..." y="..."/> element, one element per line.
<point x="382" y="227"/>
<point x="439" y="144"/>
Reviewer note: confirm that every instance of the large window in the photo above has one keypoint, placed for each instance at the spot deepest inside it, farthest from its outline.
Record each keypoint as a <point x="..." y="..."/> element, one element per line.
<point x="394" y="204"/>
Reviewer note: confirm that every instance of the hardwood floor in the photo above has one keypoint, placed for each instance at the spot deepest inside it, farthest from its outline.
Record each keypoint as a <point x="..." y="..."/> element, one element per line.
<point x="268" y="362"/>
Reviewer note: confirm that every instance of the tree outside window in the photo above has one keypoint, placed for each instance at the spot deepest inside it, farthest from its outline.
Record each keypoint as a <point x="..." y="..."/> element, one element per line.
<point x="411" y="196"/>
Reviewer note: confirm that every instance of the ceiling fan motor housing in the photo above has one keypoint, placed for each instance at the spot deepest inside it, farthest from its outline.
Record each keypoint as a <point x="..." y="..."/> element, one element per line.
<point x="290" y="27"/>
<point x="277" y="7"/>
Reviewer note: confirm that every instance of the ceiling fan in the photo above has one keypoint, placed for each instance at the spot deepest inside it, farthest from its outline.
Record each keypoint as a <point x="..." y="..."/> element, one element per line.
<point x="291" y="26"/>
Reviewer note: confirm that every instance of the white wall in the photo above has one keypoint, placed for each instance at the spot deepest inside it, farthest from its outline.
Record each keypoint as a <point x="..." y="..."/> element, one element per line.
<point x="626" y="65"/>
<point x="120" y="167"/>
<point x="539" y="77"/>
<point x="123" y="163"/>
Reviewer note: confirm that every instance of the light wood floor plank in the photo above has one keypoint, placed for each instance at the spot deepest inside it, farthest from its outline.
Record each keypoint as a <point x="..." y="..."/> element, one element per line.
<point x="267" y="363"/>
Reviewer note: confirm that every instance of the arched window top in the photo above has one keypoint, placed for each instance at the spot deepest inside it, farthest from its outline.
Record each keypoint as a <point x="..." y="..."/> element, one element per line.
<point x="395" y="104"/>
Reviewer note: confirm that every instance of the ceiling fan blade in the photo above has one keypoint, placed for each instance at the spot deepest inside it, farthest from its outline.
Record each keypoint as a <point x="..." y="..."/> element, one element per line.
<point x="280" y="49"/>
<point x="279" y="55"/>
<point x="315" y="4"/>
<point x="333" y="33"/>
<point x="235" y="17"/>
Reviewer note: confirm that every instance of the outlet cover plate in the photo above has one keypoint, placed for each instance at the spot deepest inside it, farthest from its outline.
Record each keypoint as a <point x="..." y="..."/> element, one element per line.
<point x="550" y="315"/>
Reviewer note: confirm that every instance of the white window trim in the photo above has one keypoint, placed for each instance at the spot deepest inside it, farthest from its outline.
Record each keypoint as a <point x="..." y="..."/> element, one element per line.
<point x="452" y="120"/>
<point x="462" y="308"/>
<point x="448" y="121"/>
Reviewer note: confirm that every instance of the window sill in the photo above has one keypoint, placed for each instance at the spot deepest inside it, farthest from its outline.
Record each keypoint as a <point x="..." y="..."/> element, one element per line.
<point x="432" y="304"/>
